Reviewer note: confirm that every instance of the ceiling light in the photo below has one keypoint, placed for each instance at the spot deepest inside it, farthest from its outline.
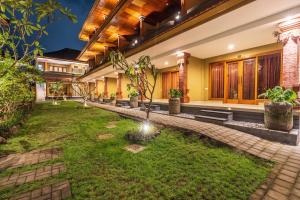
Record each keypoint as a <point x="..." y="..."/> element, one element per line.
<point x="116" y="73"/>
<point x="230" y="47"/>
<point x="179" y="53"/>
<point x="135" y="41"/>
<point x="166" y="63"/>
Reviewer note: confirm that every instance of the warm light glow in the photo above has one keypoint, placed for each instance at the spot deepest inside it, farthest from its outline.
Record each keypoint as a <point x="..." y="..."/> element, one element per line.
<point x="179" y="53"/>
<point x="230" y="46"/>
<point x="166" y="63"/>
<point x="145" y="127"/>
<point x="116" y="73"/>
<point x="177" y="17"/>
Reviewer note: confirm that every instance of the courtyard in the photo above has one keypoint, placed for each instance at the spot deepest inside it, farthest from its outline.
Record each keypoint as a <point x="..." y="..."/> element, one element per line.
<point x="175" y="165"/>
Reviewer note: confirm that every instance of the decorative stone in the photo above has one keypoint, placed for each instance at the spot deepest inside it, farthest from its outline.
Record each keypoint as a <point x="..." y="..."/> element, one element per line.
<point x="111" y="125"/>
<point x="105" y="136"/>
<point x="134" y="148"/>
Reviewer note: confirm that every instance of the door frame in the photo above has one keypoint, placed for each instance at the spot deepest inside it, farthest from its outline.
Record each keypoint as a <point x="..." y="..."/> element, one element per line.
<point x="240" y="99"/>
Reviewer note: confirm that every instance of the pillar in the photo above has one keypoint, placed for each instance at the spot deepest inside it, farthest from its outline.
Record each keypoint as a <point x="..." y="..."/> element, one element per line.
<point x="183" y="61"/>
<point x="119" y="86"/>
<point x="289" y="36"/>
<point x="142" y="27"/>
<point x="105" y="87"/>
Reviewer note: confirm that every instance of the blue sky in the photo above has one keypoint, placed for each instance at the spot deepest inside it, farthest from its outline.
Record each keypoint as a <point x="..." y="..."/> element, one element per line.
<point x="63" y="33"/>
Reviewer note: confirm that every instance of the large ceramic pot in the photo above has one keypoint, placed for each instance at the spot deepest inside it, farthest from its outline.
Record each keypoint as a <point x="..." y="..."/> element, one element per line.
<point x="134" y="102"/>
<point x="279" y="116"/>
<point x="174" y="105"/>
<point x="113" y="101"/>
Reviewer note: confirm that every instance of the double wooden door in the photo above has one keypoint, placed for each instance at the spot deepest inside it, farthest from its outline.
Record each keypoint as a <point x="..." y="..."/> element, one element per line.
<point x="240" y="81"/>
<point x="170" y="80"/>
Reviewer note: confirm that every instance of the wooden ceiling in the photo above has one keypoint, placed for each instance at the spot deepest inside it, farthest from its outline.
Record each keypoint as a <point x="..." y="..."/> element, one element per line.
<point x="123" y="22"/>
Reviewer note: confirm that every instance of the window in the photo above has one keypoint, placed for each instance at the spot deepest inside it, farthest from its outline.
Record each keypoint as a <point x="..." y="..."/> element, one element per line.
<point x="268" y="71"/>
<point x="217" y="80"/>
<point x="55" y="69"/>
<point x="40" y="67"/>
<point x="64" y="69"/>
<point x="51" y="68"/>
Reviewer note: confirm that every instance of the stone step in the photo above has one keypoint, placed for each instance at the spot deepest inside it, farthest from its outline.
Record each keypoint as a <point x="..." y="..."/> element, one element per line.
<point x="29" y="158"/>
<point x="214" y="120"/>
<point x="153" y="107"/>
<point x="217" y="114"/>
<point x="30" y="176"/>
<point x="61" y="190"/>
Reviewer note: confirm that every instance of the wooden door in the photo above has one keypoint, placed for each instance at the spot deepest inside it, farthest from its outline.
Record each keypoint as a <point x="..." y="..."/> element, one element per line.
<point x="170" y="80"/>
<point x="240" y="82"/>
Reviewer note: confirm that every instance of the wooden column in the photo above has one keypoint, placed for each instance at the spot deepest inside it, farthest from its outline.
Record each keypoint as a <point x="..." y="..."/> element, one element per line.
<point x="142" y="27"/>
<point x="183" y="61"/>
<point x="289" y="36"/>
<point x="105" y="87"/>
<point x="119" y="86"/>
<point x="183" y="7"/>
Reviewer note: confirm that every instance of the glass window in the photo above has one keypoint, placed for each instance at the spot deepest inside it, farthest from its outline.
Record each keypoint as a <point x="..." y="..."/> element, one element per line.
<point x="268" y="72"/>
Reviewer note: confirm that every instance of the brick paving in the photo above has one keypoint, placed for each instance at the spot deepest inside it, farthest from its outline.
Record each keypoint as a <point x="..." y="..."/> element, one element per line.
<point x="29" y="158"/>
<point x="284" y="180"/>
<point x="55" y="191"/>
<point x="30" y="176"/>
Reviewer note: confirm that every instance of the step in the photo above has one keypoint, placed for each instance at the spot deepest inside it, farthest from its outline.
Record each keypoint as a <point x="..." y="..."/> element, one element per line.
<point x="209" y="119"/>
<point x="217" y="114"/>
<point x="153" y="107"/>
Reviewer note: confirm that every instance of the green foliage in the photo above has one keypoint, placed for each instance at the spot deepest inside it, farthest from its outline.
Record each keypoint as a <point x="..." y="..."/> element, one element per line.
<point x="175" y="93"/>
<point x="56" y="88"/>
<point x="279" y="95"/>
<point x="173" y="166"/>
<point x="16" y="87"/>
<point x="23" y="23"/>
<point x="133" y="93"/>
<point x="112" y="95"/>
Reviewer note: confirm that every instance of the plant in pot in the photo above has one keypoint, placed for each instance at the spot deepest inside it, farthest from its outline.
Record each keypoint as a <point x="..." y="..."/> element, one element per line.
<point x="174" y="101"/>
<point x="100" y="97"/>
<point x="279" y="108"/>
<point x="113" y="99"/>
<point x="134" y="98"/>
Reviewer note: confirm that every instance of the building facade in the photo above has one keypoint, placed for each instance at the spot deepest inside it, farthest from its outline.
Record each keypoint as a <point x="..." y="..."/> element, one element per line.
<point x="60" y="66"/>
<point x="218" y="50"/>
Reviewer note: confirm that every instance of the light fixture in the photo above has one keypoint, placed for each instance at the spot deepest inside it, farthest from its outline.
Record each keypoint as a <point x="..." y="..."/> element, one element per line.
<point x="145" y="127"/>
<point x="177" y="17"/>
<point x="166" y="63"/>
<point x="230" y="47"/>
<point x="135" y="41"/>
<point x="116" y="73"/>
<point x="179" y="53"/>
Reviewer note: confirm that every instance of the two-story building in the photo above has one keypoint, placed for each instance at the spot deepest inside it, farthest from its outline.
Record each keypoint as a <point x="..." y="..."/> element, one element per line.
<point x="215" y="51"/>
<point x="60" y="66"/>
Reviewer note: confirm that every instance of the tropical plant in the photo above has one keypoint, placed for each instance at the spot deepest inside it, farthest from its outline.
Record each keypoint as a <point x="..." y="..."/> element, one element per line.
<point x="175" y="93"/>
<point x="280" y="95"/>
<point x="84" y="90"/>
<point x="23" y="23"/>
<point x="113" y="96"/>
<point x="56" y="89"/>
<point x="141" y="73"/>
<point x="133" y="93"/>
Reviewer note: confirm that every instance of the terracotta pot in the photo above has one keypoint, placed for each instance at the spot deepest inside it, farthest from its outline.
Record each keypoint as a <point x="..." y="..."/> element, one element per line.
<point x="279" y="116"/>
<point x="174" y="105"/>
<point x="134" y="102"/>
<point x="113" y="102"/>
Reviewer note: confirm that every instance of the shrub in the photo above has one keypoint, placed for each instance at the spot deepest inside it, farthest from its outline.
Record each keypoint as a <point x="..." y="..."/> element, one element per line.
<point x="175" y="93"/>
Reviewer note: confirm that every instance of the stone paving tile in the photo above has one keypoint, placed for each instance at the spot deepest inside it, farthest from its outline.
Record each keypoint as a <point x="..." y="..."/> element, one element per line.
<point x="30" y="176"/>
<point x="134" y="148"/>
<point x="284" y="180"/>
<point x="29" y="158"/>
<point x="57" y="191"/>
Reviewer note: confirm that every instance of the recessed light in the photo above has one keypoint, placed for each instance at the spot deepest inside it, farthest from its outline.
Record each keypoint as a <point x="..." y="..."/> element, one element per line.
<point x="166" y="63"/>
<point x="177" y="17"/>
<point x="230" y="46"/>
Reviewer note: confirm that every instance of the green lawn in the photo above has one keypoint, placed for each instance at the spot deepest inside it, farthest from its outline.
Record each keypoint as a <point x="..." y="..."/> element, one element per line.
<point x="173" y="166"/>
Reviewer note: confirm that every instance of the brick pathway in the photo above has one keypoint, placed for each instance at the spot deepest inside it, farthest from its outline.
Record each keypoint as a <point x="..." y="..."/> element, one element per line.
<point x="283" y="182"/>
<point x="30" y="176"/>
<point x="30" y="158"/>
<point x="55" y="191"/>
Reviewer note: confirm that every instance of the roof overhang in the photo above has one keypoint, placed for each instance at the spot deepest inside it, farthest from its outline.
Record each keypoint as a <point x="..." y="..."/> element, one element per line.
<point x="61" y="61"/>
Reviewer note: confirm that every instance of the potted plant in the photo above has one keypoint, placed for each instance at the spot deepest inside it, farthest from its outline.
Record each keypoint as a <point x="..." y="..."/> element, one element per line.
<point x="113" y="99"/>
<point x="100" y="97"/>
<point x="174" y="101"/>
<point x="134" y="99"/>
<point x="279" y="108"/>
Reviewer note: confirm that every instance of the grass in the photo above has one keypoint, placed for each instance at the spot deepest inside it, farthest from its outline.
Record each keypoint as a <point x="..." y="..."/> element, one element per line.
<point x="173" y="166"/>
